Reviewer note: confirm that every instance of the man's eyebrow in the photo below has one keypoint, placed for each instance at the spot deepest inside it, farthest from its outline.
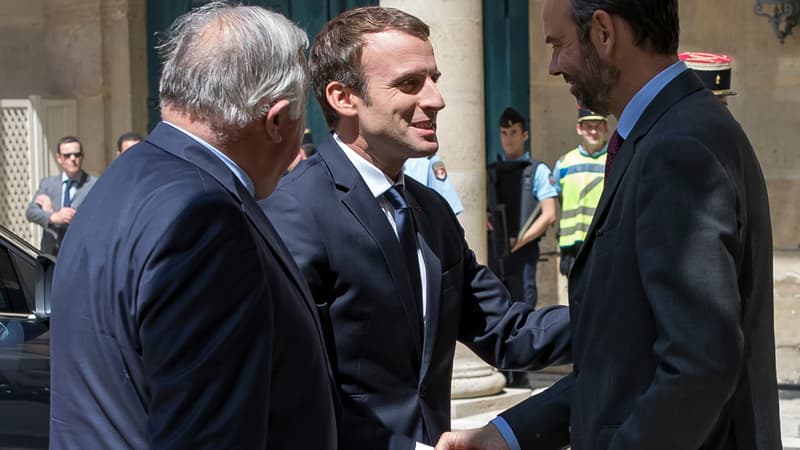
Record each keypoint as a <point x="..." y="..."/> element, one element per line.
<point x="418" y="73"/>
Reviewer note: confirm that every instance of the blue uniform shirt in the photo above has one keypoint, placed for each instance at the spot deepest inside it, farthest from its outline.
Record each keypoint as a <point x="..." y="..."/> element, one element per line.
<point x="422" y="170"/>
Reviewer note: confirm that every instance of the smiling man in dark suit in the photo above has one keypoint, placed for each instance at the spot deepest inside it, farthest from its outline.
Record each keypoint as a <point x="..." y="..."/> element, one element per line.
<point x="180" y="320"/>
<point x="386" y="254"/>
<point x="671" y="293"/>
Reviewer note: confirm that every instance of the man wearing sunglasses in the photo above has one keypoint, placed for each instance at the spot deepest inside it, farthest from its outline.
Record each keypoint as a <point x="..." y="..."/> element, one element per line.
<point x="57" y="198"/>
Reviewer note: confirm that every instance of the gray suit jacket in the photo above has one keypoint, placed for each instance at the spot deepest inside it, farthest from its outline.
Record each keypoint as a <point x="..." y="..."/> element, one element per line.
<point x="53" y="187"/>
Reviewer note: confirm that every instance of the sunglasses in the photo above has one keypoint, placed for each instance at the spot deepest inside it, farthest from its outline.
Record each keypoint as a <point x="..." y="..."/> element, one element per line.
<point x="76" y="155"/>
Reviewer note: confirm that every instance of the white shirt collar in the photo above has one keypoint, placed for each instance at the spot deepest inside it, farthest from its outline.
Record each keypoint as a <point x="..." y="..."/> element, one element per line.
<point x="64" y="176"/>
<point x="237" y="171"/>
<point x="377" y="181"/>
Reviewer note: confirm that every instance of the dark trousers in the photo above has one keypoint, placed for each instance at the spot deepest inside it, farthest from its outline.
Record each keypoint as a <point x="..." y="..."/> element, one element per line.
<point x="520" y="274"/>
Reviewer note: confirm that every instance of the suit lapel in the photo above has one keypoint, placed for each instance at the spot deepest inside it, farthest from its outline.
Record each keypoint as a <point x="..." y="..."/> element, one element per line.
<point x="55" y="191"/>
<point x="683" y="85"/>
<point x="433" y="275"/>
<point x="80" y="191"/>
<point x="270" y="235"/>
<point x="358" y="199"/>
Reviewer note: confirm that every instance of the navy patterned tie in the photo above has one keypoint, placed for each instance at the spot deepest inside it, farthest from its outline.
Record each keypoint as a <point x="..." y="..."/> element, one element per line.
<point x="613" y="147"/>
<point x="68" y="193"/>
<point x="406" y="233"/>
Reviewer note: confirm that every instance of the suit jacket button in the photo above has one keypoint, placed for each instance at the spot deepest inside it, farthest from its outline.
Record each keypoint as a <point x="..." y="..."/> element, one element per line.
<point x="422" y="391"/>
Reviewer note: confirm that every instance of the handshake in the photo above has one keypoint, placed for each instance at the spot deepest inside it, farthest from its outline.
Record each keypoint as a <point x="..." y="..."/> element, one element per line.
<point x="486" y="438"/>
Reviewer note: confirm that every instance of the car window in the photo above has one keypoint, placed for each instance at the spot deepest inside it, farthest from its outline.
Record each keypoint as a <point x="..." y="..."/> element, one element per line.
<point x="12" y="297"/>
<point x="27" y="273"/>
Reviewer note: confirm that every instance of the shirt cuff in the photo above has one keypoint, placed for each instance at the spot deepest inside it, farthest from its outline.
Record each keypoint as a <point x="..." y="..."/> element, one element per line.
<point x="421" y="446"/>
<point x="506" y="432"/>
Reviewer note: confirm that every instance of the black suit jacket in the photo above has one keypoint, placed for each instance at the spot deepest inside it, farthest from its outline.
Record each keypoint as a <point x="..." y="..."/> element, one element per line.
<point x="395" y="384"/>
<point x="671" y="295"/>
<point x="179" y="318"/>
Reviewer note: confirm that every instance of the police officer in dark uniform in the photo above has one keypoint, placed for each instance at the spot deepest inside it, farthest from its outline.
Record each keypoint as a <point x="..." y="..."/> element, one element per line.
<point x="522" y="204"/>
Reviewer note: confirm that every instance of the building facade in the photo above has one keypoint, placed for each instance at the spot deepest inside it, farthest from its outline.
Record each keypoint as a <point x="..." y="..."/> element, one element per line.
<point x="99" y="55"/>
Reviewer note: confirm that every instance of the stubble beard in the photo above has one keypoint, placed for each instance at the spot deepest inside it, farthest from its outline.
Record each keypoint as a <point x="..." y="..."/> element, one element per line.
<point x="593" y="84"/>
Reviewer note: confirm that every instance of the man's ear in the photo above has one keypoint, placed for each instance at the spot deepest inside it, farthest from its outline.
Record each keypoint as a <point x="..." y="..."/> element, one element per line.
<point x="578" y="129"/>
<point x="525" y="136"/>
<point x="341" y="98"/>
<point x="274" y="123"/>
<point x="604" y="32"/>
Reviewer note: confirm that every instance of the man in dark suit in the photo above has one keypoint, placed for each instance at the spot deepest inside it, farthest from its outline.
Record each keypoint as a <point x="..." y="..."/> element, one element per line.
<point x="671" y="293"/>
<point x="180" y="319"/>
<point x="58" y="197"/>
<point x="395" y="309"/>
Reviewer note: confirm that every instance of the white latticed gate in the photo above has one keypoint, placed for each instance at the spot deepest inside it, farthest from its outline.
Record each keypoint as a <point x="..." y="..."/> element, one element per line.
<point x="27" y="126"/>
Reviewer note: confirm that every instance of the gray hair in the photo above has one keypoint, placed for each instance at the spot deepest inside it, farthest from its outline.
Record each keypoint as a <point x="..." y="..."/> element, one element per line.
<point x="228" y="64"/>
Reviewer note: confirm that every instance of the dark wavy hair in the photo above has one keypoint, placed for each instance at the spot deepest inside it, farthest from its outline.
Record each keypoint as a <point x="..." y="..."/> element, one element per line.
<point x="336" y="52"/>
<point x="654" y="23"/>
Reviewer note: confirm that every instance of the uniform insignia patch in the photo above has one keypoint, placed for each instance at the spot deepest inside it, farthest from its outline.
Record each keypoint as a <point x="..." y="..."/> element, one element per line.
<point x="439" y="171"/>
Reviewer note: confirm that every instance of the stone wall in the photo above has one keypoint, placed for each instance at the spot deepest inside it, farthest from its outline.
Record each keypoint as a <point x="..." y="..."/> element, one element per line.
<point x="93" y="51"/>
<point x="787" y="316"/>
<point x="22" y="30"/>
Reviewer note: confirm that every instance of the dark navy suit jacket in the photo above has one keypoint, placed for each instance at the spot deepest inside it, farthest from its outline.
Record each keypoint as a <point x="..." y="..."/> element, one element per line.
<point x="395" y="383"/>
<point x="179" y="318"/>
<point x="670" y="295"/>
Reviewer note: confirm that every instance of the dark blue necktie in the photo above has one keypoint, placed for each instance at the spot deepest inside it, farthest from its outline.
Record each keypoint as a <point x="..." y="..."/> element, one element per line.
<point x="406" y="233"/>
<point x="68" y="193"/>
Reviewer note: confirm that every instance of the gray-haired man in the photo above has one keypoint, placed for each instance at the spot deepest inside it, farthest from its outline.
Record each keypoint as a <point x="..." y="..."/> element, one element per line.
<point x="188" y="324"/>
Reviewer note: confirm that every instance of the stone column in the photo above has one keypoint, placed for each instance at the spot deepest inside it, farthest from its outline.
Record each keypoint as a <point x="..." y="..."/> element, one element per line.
<point x="74" y="46"/>
<point x="125" y="69"/>
<point x="787" y="295"/>
<point x="457" y="37"/>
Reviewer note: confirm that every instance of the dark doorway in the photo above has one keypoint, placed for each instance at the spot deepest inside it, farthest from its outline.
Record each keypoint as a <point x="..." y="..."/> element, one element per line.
<point x="506" y="65"/>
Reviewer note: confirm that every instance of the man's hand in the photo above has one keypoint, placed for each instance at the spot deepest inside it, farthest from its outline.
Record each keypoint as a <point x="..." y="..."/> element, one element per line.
<point x="44" y="201"/>
<point x="63" y="216"/>
<point x="486" y="438"/>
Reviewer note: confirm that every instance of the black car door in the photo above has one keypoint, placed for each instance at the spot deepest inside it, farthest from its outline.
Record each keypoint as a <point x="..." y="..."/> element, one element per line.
<point x="24" y="352"/>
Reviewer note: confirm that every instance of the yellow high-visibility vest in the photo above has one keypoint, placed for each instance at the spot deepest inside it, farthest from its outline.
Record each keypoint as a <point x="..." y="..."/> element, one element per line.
<point x="581" y="180"/>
